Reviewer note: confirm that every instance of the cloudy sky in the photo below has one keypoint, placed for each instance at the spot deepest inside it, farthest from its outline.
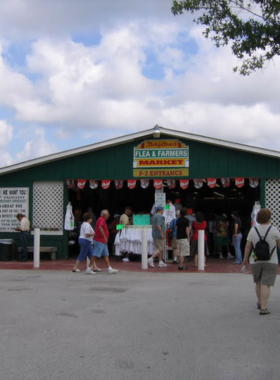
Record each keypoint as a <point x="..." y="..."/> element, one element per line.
<point x="75" y="72"/>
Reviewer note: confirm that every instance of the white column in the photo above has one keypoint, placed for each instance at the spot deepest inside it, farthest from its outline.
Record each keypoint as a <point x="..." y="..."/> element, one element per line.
<point x="36" y="253"/>
<point x="144" y="249"/>
<point x="201" y="250"/>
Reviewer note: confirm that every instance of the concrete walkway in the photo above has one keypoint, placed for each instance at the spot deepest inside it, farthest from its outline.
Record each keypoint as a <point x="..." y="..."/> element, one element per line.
<point x="135" y="325"/>
<point x="214" y="265"/>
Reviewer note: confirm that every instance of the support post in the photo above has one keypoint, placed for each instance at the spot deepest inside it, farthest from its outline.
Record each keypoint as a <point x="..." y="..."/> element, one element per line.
<point x="144" y="249"/>
<point x="201" y="245"/>
<point x="36" y="252"/>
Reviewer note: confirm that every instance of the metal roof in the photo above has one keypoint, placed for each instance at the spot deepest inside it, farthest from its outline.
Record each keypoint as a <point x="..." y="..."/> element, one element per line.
<point x="134" y="136"/>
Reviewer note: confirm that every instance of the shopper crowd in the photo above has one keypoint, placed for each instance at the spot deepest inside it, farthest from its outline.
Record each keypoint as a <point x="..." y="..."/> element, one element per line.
<point x="222" y="235"/>
<point x="222" y="238"/>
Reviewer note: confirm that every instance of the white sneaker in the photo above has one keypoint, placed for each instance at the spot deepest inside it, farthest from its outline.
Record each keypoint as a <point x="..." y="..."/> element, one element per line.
<point x="76" y="271"/>
<point x="221" y="256"/>
<point x="229" y="256"/>
<point x="112" y="270"/>
<point x="161" y="264"/>
<point x="125" y="260"/>
<point x="96" y="269"/>
<point x="90" y="271"/>
<point x="151" y="262"/>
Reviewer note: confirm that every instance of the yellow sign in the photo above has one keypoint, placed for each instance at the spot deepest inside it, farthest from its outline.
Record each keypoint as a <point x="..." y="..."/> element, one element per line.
<point x="160" y="144"/>
<point x="167" y="173"/>
<point x="152" y="163"/>
<point x="164" y="154"/>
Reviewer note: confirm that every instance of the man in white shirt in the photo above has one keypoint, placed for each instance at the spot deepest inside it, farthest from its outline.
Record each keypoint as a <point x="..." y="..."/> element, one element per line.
<point x="169" y="212"/>
<point x="24" y="232"/>
<point x="124" y="220"/>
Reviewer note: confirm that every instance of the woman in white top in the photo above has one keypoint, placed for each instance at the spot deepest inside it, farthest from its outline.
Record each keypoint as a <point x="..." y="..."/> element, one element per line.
<point x="264" y="272"/>
<point x="85" y="241"/>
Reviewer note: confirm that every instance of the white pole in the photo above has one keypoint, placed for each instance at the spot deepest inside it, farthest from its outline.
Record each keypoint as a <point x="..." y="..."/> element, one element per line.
<point x="201" y="250"/>
<point x="36" y="253"/>
<point x="144" y="249"/>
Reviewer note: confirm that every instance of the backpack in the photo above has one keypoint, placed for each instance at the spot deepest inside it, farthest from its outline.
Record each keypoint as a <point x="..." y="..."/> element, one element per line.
<point x="261" y="249"/>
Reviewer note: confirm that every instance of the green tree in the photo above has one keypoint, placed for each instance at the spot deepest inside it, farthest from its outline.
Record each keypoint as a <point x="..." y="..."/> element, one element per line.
<point x="252" y="28"/>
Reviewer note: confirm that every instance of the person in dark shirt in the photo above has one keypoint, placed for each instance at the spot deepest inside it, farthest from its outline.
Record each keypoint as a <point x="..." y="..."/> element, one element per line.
<point x="174" y="243"/>
<point x="183" y="237"/>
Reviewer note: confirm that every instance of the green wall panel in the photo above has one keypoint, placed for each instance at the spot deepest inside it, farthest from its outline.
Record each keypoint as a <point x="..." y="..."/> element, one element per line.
<point x="117" y="163"/>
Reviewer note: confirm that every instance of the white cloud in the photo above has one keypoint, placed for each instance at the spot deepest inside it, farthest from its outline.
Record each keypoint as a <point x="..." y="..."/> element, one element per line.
<point x="249" y="125"/>
<point x="36" y="147"/>
<point x="6" y="133"/>
<point x="5" y="158"/>
<point x="92" y="92"/>
<point x="34" y="19"/>
<point x="14" y="85"/>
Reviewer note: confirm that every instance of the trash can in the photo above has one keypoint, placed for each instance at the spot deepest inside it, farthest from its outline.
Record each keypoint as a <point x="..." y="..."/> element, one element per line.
<point x="6" y="249"/>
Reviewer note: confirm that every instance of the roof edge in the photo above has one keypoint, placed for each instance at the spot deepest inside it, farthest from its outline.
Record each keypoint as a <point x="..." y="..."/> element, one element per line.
<point x="129" y="137"/>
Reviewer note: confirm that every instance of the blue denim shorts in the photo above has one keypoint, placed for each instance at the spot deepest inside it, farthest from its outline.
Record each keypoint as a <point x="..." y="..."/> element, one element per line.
<point x="86" y="249"/>
<point x="100" y="249"/>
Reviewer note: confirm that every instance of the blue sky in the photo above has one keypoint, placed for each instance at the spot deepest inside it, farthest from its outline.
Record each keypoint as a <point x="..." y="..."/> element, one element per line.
<point x="74" y="73"/>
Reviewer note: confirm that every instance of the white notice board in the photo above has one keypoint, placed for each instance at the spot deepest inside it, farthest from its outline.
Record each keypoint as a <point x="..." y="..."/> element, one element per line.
<point x="13" y="200"/>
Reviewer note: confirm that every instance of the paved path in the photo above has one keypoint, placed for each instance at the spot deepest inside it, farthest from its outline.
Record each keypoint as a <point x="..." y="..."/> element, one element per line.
<point x="214" y="265"/>
<point x="135" y="326"/>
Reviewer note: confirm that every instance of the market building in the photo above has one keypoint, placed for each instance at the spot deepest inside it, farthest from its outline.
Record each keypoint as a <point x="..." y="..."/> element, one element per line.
<point x="201" y="173"/>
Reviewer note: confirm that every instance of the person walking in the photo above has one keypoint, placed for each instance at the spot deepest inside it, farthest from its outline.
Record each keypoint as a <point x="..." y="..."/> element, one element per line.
<point x="85" y="242"/>
<point x="174" y="243"/>
<point x="100" y="242"/>
<point x="183" y="237"/>
<point x="125" y="221"/>
<point x="113" y="231"/>
<point x="24" y="233"/>
<point x="222" y="238"/>
<point x="236" y="237"/>
<point x="264" y="271"/>
<point x="169" y="211"/>
<point x="158" y="233"/>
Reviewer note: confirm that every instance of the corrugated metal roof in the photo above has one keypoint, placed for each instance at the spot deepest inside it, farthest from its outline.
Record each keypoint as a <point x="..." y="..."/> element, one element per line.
<point x="137" y="135"/>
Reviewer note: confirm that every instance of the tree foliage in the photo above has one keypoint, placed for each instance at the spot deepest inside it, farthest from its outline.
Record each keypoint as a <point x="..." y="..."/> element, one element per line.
<point x="252" y="27"/>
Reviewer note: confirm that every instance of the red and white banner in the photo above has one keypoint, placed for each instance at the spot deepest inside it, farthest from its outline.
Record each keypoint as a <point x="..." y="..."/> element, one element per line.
<point x="70" y="183"/>
<point x="106" y="184"/>
<point x="157" y="183"/>
<point x="81" y="183"/>
<point x="239" y="182"/>
<point x="225" y="182"/>
<point x="131" y="183"/>
<point x="184" y="183"/>
<point x="93" y="184"/>
<point x="254" y="182"/>
<point x="144" y="183"/>
<point x="211" y="182"/>
<point x="171" y="183"/>
<point x="198" y="183"/>
<point x="118" y="184"/>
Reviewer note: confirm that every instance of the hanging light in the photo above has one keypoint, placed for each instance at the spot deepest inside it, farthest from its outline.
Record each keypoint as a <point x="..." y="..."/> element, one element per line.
<point x="156" y="132"/>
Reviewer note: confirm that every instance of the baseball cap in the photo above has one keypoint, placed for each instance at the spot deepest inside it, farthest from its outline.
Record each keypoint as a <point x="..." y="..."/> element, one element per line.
<point x="159" y="208"/>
